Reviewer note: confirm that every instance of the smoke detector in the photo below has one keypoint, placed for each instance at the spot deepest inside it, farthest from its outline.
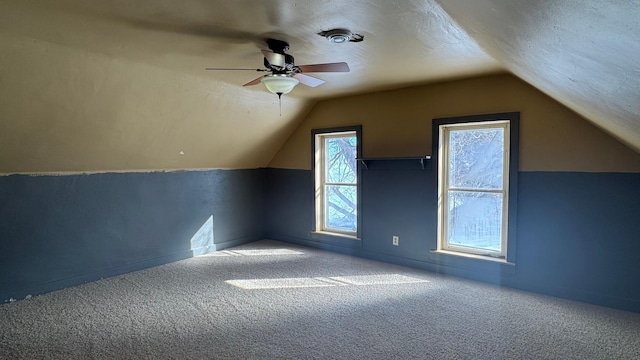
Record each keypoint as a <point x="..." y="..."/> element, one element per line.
<point x="339" y="36"/>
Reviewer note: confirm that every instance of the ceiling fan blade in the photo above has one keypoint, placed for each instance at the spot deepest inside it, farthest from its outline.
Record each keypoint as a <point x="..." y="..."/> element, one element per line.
<point x="274" y="58"/>
<point x="235" y="69"/>
<point x="308" y="80"/>
<point x="254" y="81"/>
<point x="331" y="67"/>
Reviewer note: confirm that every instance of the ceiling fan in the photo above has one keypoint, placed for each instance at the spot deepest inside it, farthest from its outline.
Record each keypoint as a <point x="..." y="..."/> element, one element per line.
<point x="284" y="75"/>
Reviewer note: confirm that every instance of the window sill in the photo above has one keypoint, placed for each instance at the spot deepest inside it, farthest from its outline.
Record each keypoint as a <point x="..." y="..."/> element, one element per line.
<point x="332" y="234"/>
<point x="473" y="256"/>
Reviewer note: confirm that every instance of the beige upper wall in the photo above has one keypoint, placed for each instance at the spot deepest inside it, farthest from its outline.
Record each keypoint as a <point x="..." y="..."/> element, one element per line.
<point x="398" y="123"/>
<point x="120" y="85"/>
<point x="68" y="110"/>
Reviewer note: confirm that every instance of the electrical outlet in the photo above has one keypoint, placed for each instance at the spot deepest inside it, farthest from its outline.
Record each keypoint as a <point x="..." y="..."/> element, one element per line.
<point x="396" y="240"/>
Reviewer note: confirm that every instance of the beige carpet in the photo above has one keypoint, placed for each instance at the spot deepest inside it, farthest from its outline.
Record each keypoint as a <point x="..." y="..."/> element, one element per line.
<point x="270" y="300"/>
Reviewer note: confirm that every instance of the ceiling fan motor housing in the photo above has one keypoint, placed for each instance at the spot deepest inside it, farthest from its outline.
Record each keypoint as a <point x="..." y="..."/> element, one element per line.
<point x="288" y="65"/>
<point x="280" y="47"/>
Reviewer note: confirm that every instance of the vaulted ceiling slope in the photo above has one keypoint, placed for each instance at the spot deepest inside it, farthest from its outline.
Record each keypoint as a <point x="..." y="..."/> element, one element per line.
<point x="583" y="53"/>
<point x="110" y="85"/>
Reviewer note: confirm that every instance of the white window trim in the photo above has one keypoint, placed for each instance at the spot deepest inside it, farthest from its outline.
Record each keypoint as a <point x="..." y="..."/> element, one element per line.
<point x="443" y="188"/>
<point x="320" y="211"/>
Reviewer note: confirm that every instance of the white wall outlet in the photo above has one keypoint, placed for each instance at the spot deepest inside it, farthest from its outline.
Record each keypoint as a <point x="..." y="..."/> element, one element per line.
<point x="396" y="240"/>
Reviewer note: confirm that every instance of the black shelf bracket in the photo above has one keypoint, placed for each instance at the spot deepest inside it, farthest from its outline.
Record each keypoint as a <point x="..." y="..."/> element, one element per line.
<point x="422" y="159"/>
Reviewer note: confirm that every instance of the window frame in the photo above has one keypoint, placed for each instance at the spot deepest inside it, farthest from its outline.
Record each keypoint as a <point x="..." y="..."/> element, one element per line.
<point x="443" y="126"/>
<point x="318" y="156"/>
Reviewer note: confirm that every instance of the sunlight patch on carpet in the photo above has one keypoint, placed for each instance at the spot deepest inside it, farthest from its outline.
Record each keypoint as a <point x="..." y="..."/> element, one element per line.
<point x="309" y="282"/>
<point x="257" y="252"/>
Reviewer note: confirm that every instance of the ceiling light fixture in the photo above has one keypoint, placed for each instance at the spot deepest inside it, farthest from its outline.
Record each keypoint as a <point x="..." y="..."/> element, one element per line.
<point x="279" y="83"/>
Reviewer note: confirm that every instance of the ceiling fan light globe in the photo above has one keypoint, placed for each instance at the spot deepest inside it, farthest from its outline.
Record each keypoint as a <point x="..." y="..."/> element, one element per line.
<point x="279" y="83"/>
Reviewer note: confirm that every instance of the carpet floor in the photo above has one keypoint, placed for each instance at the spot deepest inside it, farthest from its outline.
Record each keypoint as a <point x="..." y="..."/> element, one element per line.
<point x="271" y="300"/>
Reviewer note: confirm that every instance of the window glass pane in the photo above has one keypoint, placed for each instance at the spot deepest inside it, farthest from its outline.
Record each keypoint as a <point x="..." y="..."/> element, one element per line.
<point x="340" y="207"/>
<point x="475" y="220"/>
<point x="476" y="158"/>
<point x="340" y="160"/>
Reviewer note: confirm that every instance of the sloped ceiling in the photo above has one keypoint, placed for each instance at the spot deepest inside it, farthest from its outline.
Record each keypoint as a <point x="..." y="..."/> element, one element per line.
<point x="583" y="53"/>
<point x="110" y="85"/>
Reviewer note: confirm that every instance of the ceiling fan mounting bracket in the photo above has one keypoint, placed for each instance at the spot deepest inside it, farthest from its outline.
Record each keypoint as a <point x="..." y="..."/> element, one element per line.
<point x="278" y="46"/>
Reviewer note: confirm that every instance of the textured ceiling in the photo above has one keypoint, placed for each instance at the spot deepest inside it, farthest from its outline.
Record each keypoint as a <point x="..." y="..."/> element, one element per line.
<point x="80" y="59"/>
<point x="583" y="53"/>
<point x="405" y="41"/>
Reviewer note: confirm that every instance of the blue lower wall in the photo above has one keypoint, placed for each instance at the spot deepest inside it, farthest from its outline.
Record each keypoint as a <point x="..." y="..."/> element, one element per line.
<point x="58" y="231"/>
<point x="578" y="234"/>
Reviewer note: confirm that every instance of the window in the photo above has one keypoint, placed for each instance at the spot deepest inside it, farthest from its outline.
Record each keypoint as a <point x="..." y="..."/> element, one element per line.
<point x="336" y="180"/>
<point x="477" y="170"/>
